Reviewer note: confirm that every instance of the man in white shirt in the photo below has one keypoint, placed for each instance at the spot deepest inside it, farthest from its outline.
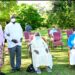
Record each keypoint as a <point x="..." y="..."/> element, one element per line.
<point x="13" y="35"/>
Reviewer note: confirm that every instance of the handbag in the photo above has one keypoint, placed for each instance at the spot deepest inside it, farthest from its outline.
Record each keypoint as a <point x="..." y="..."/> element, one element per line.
<point x="30" y="68"/>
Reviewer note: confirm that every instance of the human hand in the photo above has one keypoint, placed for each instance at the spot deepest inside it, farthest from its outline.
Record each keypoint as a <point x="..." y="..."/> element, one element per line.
<point x="8" y="34"/>
<point x="21" y="40"/>
<point x="36" y="51"/>
<point x="46" y="50"/>
<point x="15" y="41"/>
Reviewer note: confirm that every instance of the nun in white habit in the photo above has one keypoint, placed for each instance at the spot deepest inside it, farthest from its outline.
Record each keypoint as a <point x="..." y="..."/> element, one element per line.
<point x="40" y="54"/>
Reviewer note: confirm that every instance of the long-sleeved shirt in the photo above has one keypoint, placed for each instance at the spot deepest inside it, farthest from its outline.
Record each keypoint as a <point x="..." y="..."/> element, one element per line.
<point x="71" y="40"/>
<point x="13" y="31"/>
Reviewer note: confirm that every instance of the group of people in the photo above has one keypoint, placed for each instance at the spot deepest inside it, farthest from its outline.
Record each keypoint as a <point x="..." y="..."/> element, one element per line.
<point x="13" y="33"/>
<point x="40" y="54"/>
<point x="70" y="43"/>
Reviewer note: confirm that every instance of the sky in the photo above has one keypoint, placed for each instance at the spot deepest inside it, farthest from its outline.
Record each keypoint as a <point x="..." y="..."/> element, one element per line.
<point x="40" y="3"/>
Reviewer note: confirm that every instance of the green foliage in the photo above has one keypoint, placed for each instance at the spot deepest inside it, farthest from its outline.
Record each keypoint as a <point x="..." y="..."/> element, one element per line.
<point x="62" y="14"/>
<point x="28" y="14"/>
<point x="6" y="7"/>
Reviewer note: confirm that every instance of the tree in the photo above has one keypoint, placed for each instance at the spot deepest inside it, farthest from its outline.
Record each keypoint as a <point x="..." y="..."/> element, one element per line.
<point x="6" y="7"/>
<point x="63" y="14"/>
<point x="29" y="14"/>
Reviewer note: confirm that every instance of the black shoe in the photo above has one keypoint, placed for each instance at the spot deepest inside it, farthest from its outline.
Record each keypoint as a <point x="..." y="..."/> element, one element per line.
<point x="13" y="70"/>
<point x="1" y="73"/>
<point x="18" y="69"/>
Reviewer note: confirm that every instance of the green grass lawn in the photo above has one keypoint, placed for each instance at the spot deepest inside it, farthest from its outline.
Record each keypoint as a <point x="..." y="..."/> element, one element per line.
<point x="60" y="59"/>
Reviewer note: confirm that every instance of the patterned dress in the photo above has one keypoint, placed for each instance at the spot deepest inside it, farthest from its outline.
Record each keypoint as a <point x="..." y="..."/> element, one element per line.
<point x="1" y="47"/>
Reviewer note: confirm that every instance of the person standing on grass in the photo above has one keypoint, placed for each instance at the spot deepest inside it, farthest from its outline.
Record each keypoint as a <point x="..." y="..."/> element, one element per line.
<point x="71" y="45"/>
<point x="14" y="34"/>
<point x="1" y="49"/>
<point x="40" y="54"/>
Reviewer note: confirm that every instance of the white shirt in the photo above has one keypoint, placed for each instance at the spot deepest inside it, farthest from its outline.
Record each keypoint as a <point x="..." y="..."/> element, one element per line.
<point x="13" y="31"/>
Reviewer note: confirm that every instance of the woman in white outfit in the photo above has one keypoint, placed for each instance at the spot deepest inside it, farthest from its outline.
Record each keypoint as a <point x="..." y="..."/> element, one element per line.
<point x="40" y="54"/>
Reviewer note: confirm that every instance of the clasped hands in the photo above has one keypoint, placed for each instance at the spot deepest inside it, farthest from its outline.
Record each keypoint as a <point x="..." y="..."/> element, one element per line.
<point x="15" y="41"/>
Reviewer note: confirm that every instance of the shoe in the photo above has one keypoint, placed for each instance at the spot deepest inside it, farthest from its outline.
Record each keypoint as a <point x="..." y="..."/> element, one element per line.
<point x="13" y="70"/>
<point x="38" y="71"/>
<point x="1" y="73"/>
<point x="48" y="69"/>
<point x="18" y="69"/>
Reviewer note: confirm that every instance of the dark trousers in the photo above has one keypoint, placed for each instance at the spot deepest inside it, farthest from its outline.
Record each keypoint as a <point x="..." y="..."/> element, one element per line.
<point x="15" y="53"/>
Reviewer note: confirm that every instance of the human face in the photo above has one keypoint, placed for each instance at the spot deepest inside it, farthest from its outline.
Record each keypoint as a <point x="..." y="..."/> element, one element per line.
<point x="37" y="37"/>
<point x="13" y="20"/>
